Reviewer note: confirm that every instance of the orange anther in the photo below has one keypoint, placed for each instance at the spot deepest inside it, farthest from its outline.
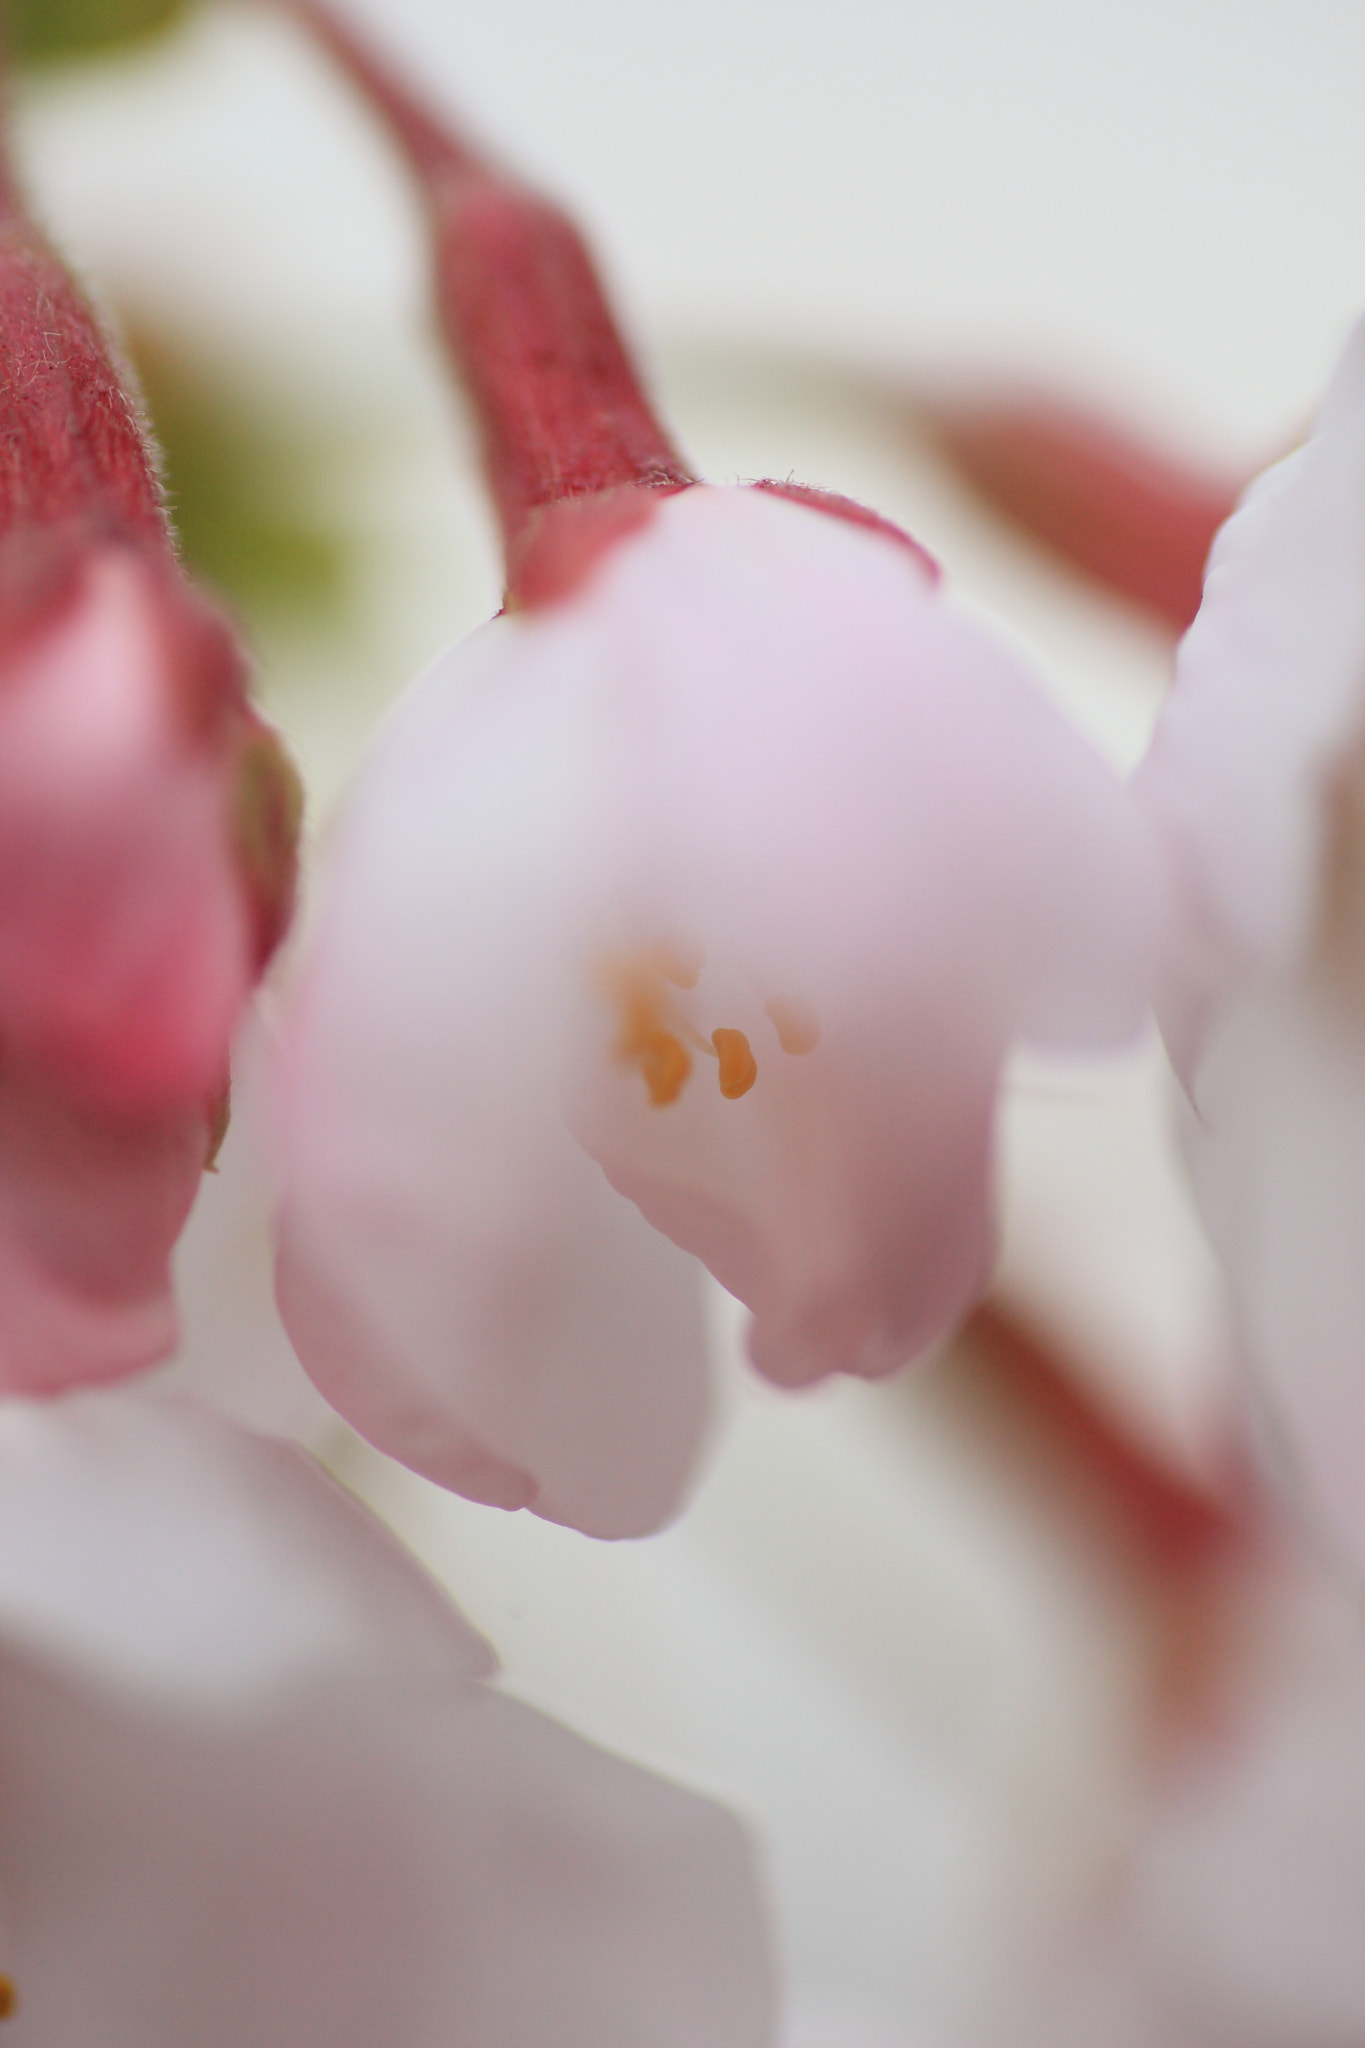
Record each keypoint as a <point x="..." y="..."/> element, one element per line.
<point x="665" y="1063"/>
<point x="796" y="1024"/>
<point x="9" y="1999"/>
<point x="640" y="1006"/>
<point x="738" y="1067"/>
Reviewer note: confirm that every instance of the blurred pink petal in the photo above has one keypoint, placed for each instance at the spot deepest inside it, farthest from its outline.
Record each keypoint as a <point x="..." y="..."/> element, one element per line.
<point x="129" y="937"/>
<point x="125" y="943"/>
<point x="91" y="1201"/>
<point x="147" y="820"/>
<point x="1255" y="784"/>
<point x="1235" y="1918"/>
<point x="745" y="864"/>
<point x="259" y="1790"/>
<point x="144" y="846"/>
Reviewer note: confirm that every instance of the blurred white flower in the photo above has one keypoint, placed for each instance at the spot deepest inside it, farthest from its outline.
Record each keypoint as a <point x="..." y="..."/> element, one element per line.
<point x="733" y="876"/>
<point x="257" y="1788"/>
<point x="1236" y="1916"/>
<point x="1256" y="783"/>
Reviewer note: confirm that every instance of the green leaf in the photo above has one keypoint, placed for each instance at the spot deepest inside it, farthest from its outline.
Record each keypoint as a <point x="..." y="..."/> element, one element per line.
<point x="247" y="485"/>
<point x="45" y="29"/>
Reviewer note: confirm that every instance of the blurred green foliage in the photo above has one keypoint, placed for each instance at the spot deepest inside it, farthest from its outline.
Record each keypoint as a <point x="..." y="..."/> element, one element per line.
<point x="40" y="30"/>
<point x="248" y="485"/>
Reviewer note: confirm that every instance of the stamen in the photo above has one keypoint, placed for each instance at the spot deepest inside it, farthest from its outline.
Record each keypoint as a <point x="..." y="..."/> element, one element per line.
<point x="9" y="1999"/>
<point x="639" y="1018"/>
<point x="655" y="1034"/>
<point x="796" y="1024"/>
<point x="665" y="1063"/>
<point x="738" y="1067"/>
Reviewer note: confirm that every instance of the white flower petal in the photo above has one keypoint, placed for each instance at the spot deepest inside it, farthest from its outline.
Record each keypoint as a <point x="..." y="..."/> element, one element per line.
<point x="1268" y="696"/>
<point x="1237" y="1919"/>
<point x="798" y="1199"/>
<point x="138" y="1541"/>
<point x="1276" y="1162"/>
<point x="1254" y="783"/>
<point x="256" y="1792"/>
<point x="560" y="1365"/>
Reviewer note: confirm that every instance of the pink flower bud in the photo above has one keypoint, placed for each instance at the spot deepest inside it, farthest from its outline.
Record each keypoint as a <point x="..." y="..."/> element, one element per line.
<point x="146" y="855"/>
<point x="125" y="936"/>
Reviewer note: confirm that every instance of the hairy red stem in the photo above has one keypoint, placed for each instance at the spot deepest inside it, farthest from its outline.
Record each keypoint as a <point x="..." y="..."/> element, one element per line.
<point x="72" y="447"/>
<point x="561" y="412"/>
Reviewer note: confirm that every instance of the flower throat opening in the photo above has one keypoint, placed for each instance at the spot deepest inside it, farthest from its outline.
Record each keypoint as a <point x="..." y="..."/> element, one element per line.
<point x="655" y="1034"/>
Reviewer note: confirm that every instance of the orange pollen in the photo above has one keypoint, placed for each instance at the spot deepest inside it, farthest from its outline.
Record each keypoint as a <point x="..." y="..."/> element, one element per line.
<point x="639" y="1020"/>
<point x="796" y="1024"/>
<point x="9" y="1999"/>
<point x="655" y="1035"/>
<point x="738" y="1067"/>
<point x="665" y="1063"/>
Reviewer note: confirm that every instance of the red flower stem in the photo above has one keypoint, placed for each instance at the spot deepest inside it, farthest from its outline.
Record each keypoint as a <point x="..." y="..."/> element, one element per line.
<point x="1113" y="508"/>
<point x="1185" y="1544"/>
<point x="560" y="409"/>
<point x="72" y="447"/>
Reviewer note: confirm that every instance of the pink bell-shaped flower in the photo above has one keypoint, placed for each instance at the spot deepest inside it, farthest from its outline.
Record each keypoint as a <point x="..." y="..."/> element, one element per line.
<point x="707" y="886"/>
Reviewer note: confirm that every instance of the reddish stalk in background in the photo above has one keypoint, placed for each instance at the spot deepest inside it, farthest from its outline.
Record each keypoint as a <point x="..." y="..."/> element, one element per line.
<point x="1135" y="521"/>
<point x="1186" y="1546"/>
<point x="560" y="410"/>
